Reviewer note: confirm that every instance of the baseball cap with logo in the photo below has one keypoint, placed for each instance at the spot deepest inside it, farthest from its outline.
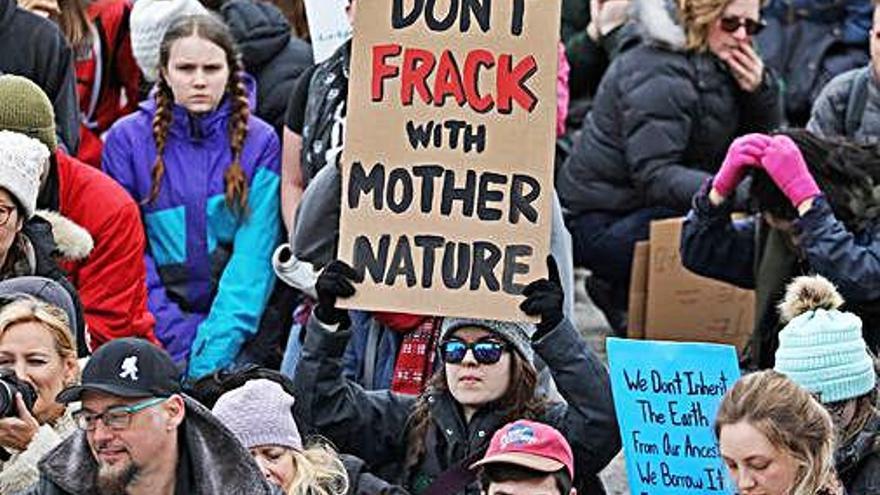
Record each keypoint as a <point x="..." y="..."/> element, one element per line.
<point x="531" y="445"/>
<point x="128" y="367"/>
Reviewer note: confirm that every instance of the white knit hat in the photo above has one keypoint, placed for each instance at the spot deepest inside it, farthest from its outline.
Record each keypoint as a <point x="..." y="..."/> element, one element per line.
<point x="149" y="21"/>
<point x="22" y="160"/>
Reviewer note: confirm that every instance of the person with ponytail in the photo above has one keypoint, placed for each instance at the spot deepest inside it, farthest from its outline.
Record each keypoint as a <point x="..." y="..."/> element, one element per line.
<point x="205" y="172"/>
<point x="487" y="379"/>
<point x="821" y="349"/>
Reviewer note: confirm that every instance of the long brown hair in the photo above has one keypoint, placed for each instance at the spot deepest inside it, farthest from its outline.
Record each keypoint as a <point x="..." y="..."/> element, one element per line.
<point x="211" y="29"/>
<point x="792" y="420"/>
<point x="520" y="401"/>
<point x="74" y="23"/>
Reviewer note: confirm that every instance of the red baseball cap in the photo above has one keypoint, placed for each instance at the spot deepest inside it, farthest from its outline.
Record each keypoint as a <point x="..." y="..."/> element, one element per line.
<point x="531" y="445"/>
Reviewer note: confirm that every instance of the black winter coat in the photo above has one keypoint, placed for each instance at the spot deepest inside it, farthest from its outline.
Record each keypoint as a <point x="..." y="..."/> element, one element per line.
<point x="661" y="123"/>
<point x="270" y="53"/>
<point x="858" y="461"/>
<point x="373" y="425"/>
<point x="33" y="47"/>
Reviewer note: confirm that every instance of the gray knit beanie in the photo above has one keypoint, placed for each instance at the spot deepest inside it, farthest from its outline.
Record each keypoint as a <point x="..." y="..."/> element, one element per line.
<point x="518" y="334"/>
<point x="259" y="413"/>
<point x="149" y="21"/>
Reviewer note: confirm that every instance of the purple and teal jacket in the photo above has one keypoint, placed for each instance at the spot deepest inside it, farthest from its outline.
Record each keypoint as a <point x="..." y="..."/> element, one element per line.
<point x="209" y="272"/>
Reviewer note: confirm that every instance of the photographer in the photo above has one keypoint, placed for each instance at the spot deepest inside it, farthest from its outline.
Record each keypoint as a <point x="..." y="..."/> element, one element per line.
<point x="37" y="359"/>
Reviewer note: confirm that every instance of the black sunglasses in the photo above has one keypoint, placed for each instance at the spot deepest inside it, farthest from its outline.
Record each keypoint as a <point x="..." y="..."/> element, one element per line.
<point x="732" y="23"/>
<point x="485" y="351"/>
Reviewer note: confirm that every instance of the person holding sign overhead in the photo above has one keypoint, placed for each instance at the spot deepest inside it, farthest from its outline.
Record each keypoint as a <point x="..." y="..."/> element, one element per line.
<point x="487" y="379"/>
<point x="776" y="439"/>
<point x="661" y="122"/>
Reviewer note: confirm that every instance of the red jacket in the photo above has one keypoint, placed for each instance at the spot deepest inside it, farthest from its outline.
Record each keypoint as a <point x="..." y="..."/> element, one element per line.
<point x="112" y="281"/>
<point x="104" y="70"/>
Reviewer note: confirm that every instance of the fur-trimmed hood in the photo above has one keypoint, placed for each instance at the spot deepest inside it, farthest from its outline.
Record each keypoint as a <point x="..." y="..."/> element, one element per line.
<point x="73" y="242"/>
<point x="657" y="23"/>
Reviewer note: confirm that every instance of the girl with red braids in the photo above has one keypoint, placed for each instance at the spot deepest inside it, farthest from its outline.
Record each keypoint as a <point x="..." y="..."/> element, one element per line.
<point x="205" y="172"/>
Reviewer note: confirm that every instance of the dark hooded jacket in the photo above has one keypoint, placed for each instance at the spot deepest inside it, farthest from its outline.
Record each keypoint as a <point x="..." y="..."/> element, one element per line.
<point x="750" y="254"/>
<point x="270" y="53"/>
<point x="858" y="460"/>
<point x="661" y="122"/>
<point x="374" y="425"/>
<point x="217" y="463"/>
<point x="33" y="47"/>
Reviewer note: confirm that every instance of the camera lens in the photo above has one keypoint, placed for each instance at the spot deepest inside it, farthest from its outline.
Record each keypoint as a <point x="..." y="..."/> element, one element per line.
<point x="9" y="386"/>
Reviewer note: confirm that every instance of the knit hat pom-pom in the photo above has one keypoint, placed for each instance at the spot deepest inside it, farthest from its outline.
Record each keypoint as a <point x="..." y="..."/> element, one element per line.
<point x="809" y="294"/>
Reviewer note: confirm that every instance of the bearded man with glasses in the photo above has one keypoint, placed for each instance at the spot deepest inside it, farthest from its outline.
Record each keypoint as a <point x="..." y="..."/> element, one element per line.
<point x="140" y="435"/>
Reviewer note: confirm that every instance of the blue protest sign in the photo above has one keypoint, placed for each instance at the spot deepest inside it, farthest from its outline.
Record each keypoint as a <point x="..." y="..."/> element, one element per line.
<point x="666" y="395"/>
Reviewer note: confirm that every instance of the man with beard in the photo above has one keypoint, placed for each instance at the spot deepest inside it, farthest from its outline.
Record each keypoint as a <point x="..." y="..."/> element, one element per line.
<point x="140" y="435"/>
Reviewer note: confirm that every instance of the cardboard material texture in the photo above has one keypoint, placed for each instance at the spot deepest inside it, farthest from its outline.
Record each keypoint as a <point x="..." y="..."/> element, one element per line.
<point x="683" y="306"/>
<point x="638" y="291"/>
<point x="448" y="161"/>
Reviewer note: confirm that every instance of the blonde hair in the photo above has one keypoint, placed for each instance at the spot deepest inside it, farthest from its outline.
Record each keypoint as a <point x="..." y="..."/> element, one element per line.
<point x="697" y="17"/>
<point x="52" y="318"/>
<point x="319" y="471"/>
<point x="792" y="420"/>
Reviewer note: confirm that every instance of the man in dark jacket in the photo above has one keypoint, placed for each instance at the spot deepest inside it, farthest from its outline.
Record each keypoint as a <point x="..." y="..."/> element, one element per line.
<point x="808" y="42"/>
<point x="849" y="105"/>
<point x="34" y="47"/>
<point x="270" y="53"/>
<point x="140" y="435"/>
<point x="660" y="125"/>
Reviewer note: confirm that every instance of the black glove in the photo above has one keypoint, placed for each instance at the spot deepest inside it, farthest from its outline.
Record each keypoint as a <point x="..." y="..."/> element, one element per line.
<point x="545" y="298"/>
<point x="334" y="282"/>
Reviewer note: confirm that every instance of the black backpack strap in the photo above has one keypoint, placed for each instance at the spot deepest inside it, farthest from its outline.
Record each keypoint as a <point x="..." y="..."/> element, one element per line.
<point x="858" y="100"/>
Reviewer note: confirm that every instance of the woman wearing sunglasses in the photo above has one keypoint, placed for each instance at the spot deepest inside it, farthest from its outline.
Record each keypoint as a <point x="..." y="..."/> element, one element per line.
<point x="487" y="378"/>
<point x="661" y="122"/>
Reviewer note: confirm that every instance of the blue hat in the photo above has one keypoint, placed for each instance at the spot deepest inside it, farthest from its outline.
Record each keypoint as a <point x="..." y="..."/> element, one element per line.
<point x="821" y="348"/>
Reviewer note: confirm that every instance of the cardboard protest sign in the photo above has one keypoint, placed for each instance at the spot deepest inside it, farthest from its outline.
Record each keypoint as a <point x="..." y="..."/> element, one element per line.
<point x="448" y="161"/>
<point x="328" y="26"/>
<point x="666" y="395"/>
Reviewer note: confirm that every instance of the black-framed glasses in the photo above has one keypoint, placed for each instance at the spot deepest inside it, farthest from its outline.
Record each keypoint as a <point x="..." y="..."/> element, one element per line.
<point x="6" y="214"/>
<point x="485" y="351"/>
<point x="116" y="418"/>
<point x="731" y="23"/>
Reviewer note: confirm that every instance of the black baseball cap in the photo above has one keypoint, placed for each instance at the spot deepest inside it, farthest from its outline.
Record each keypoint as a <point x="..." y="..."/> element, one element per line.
<point x="128" y="367"/>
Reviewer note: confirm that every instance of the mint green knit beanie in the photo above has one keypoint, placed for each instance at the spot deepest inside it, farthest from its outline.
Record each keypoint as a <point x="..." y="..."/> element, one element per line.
<point x="821" y="348"/>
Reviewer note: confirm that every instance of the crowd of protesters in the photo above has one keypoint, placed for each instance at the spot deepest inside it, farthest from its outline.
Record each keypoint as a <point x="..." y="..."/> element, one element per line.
<point x="170" y="314"/>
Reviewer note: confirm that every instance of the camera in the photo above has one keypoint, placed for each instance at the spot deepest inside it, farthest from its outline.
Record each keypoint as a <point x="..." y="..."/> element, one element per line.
<point x="9" y="386"/>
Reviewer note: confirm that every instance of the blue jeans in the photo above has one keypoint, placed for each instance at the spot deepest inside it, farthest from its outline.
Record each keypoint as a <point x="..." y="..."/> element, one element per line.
<point x="604" y="243"/>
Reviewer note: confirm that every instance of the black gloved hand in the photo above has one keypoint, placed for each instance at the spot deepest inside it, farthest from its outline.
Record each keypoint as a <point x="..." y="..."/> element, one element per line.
<point x="334" y="282"/>
<point x="545" y="298"/>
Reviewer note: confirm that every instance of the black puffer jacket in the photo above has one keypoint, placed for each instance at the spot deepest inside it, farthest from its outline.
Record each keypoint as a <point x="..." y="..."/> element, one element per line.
<point x="270" y="53"/>
<point x="661" y="122"/>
